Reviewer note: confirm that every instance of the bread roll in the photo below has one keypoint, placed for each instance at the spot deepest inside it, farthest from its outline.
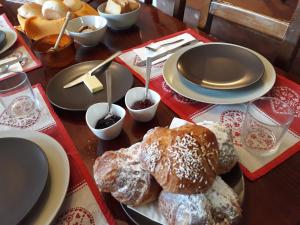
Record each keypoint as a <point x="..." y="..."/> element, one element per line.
<point x="120" y="173"/>
<point x="179" y="209"/>
<point x="40" y="2"/>
<point x="182" y="160"/>
<point x="29" y="10"/>
<point x="133" y="4"/>
<point x="113" y="8"/>
<point x="73" y="5"/>
<point x="227" y="154"/>
<point x="53" y="10"/>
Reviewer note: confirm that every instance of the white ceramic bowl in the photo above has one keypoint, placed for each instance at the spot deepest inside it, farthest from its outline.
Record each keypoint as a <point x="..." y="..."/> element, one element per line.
<point x="98" y="111"/>
<point x="137" y="94"/>
<point x="121" y="21"/>
<point x="88" y="39"/>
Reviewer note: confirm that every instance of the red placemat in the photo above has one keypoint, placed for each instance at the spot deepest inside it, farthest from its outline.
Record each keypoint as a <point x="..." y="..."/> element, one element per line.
<point x="20" y="48"/>
<point x="230" y="116"/>
<point x="84" y="202"/>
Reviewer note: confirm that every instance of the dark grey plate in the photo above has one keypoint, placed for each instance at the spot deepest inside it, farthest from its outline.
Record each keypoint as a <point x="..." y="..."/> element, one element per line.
<point x="79" y="98"/>
<point x="23" y="176"/>
<point x="2" y="39"/>
<point x="234" y="179"/>
<point x="218" y="66"/>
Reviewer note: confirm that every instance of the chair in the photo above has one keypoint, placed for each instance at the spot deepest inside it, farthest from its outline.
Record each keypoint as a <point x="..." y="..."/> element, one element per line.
<point x="175" y="9"/>
<point x="276" y="38"/>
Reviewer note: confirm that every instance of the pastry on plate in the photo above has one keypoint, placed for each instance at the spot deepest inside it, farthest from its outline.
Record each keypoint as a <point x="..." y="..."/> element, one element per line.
<point x="120" y="173"/>
<point x="182" y="160"/>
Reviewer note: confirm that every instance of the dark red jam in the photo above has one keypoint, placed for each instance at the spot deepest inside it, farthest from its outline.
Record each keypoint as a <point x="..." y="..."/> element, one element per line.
<point x="142" y="104"/>
<point x="107" y="122"/>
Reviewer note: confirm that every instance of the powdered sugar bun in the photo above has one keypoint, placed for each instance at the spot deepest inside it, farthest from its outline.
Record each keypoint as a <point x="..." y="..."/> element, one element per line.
<point x="182" y="160"/>
<point x="120" y="173"/>
<point x="224" y="203"/>
<point x="227" y="154"/>
<point x="54" y="9"/>
<point x="181" y="209"/>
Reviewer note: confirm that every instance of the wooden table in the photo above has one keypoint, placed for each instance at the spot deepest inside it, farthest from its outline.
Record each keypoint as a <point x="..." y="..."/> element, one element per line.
<point x="274" y="199"/>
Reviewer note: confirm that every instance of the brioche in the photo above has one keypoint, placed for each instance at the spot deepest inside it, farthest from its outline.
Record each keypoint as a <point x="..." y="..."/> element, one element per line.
<point x="120" y="173"/>
<point x="227" y="154"/>
<point x="179" y="209"/>
<point x="73" y="5"/>
<point x="29" y="10"/>
<point x="182" y="160"/>
<point x="53" y="10"/>
<point x="219" y="205"/>
<point x="224" y="203"/>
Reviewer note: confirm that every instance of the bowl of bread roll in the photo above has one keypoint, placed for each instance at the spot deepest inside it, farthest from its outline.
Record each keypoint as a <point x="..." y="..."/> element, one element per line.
<point x="87" y="30"/>
<point x="46" y="17"/>
<point x="177" y="172"/>
<point x="120" y="14"/>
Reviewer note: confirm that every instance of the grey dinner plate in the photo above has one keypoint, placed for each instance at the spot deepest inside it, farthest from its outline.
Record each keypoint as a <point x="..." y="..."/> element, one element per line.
<point x="79" y="98"/>
<point x="2" y="39"/>
<point x="234" y="179"/>
<point x="219" y="66"/>
<point x="23" y="176"/>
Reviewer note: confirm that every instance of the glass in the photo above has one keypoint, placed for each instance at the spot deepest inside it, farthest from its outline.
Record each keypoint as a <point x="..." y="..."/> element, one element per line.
<point x="266" y="121"/>
<point x="16" y="95"/>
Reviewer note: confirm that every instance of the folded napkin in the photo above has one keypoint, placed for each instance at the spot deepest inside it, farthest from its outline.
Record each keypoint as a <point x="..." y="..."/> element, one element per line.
<point x="228" y="115"/>
<point x="143" y="53"/>
<point x="20" y="49"/>
<point x="39" y="119"/>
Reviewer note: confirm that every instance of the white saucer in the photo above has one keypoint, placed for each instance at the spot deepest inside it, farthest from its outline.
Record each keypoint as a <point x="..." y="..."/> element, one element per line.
<point x="178" y="84"/>
<point x="11" y="38"/>
<point x="54" y="193"/>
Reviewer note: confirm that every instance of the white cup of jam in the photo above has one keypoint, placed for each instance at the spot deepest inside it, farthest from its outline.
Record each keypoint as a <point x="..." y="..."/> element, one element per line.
<point x="106" y="128"/>
<point x="139" y="108"/>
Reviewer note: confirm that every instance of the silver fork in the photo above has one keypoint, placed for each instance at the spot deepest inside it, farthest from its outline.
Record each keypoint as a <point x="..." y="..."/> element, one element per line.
<point x="154" y="46"/>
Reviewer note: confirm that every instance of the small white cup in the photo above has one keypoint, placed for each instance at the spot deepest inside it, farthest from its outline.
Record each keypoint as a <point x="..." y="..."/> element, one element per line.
<point x="98" y="111"/>
<point x="137" y="94"/>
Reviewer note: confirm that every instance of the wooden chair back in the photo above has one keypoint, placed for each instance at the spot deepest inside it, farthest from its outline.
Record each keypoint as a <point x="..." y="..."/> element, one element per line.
<point x="176" y="9"/>
<point x="281" y="34"/>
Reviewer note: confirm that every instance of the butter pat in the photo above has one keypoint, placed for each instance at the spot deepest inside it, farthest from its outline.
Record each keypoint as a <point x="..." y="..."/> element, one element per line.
<point x="93" y="84"/>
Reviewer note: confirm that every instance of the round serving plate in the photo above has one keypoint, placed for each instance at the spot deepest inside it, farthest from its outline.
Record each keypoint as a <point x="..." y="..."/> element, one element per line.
<point x="23" y="172"/>
<point x="220" y="66"/>
<point x="79" y="98"/>
<point x="195" y="92"/>
<point x="10" y="38"/>
<point x="53" y="195"/>
<point x="234" y="179"/>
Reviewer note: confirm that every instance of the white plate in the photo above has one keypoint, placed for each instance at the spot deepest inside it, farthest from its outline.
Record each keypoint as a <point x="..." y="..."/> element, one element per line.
<point x="178" y="84"/>
<point x="11" y="37"/>
<point x="54" y="193"/>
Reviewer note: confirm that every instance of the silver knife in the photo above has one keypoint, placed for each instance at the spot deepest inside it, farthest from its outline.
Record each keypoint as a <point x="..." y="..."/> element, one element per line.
<point x="103" y="64"/>
<point x="9" y="61"/>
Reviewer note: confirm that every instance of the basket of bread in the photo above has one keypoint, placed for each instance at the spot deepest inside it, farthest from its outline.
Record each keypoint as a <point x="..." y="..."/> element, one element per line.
<point x="120" y="14"/>
<point x="176" y="170"/>
<point x="44" y="18"/>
